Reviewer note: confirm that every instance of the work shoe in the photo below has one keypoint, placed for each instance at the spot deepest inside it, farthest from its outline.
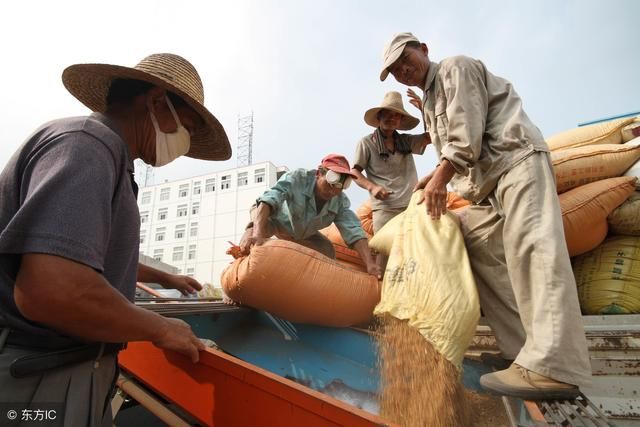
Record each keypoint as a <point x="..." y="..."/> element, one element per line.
<point x="520" y="382"/>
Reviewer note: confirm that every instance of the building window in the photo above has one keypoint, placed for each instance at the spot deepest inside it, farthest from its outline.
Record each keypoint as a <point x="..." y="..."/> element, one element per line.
<point x="195" y="208"/>
<point x="164" y="194"/>
<point x="144" y="217"/>
<point x="182" y="210"/>
<point x="160" y="234"/>
<point x="259" y="176"/>
<point x="226" y="182"/>
<point x="143" y="236"/>
<point x="180" y="228"/>
<point x="193" y="232"/>
<point x="190" y="271"/>
<point x="210" y="185"/>
<point x="146" y="198"/>
<point x="178" y="253"/>
<point x="192" y="252"/>
<point x="162" y="214"/>
<point x="183" y="191"/>
<point x="157" y="254"/>
<point x="243" y="179"/>
<point x="196" y="187"/>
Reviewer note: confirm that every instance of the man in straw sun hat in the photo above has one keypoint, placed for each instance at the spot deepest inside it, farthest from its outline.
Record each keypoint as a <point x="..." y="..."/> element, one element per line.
<point x="496" y="157"/>
<point x="303" y="202"/>
<point x="69" y="233"/>
<point x="386" y="157"/>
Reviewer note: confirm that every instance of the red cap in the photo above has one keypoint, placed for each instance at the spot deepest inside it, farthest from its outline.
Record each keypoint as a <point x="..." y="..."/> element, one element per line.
<point x="337" y="163"/>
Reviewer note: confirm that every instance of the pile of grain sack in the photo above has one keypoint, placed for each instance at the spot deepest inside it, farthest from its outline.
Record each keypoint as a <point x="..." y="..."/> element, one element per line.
<point x="597" y="169"/>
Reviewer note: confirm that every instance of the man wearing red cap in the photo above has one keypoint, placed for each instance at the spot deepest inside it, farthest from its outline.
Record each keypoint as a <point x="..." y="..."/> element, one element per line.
<point x="304" y="201"/>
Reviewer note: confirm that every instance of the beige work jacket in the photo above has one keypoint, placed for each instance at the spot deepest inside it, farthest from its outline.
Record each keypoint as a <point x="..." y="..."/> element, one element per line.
<point x="476" y="121"/>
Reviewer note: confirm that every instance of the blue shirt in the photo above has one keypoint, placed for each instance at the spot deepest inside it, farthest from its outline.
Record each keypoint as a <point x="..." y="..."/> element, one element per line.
<point x="293" y="208"/>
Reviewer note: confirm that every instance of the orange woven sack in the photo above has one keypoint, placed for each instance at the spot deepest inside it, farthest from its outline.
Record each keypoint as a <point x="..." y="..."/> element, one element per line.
<point x="455" y="202"/>
<point x="365" y="214"/>
<point x="343" y="252"/>
<point x="581" y="165"/>
<point x="301" y="285"/>
<point x="585" y="210"/>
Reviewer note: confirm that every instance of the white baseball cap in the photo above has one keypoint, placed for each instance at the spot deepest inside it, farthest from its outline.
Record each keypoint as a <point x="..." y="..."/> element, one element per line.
<point x="393" y="50"/>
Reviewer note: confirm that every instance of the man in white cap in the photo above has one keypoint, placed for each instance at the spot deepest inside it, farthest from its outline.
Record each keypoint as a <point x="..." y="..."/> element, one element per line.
<point x="69" y="235"/>
<point x="494" y="156"/>
<point x="305" y="201"/>
<point x="386" y="157"/>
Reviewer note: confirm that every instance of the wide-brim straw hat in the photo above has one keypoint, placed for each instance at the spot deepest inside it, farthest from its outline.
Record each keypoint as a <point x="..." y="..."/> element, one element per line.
<point x="90" y="83"/>
<point x="392" y="101"/>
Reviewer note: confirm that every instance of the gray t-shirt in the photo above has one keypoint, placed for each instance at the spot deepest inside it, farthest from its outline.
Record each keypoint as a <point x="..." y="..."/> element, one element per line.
<point x="393" y="171"/>
<point x="68" y="191"/>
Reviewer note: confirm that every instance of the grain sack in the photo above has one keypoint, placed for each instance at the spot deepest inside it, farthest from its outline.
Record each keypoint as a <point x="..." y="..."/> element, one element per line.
<point x="343" y="252"/>
<point x="625" y="219"/>
<point x="634" y="170"/>
<point x="365" y="214"/>
<point x="428" y="281"/>
<point x="301" y="285"/>
<point x="631" y="130"/>
<point x="383" y="240"/>
<point x="585" y="210"/>
<point x="581" y="165"/>
<point x="359" y="266"/>
<point x="599" y="133"/>
<point x="608" y="277"/>
<point x="455" y="202"/>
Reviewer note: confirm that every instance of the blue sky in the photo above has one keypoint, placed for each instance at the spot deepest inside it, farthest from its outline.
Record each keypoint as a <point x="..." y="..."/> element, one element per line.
<point x="309" y="69"/>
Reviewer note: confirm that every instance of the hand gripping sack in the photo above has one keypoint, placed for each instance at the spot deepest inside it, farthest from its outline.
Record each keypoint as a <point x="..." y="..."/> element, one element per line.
<point x="429" y="282"/>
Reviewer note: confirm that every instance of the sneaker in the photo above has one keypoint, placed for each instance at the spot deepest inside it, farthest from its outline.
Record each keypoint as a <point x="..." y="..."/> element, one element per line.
<point x="520" y="382"/>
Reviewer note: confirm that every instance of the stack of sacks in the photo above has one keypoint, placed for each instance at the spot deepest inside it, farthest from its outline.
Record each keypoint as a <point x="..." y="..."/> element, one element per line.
<point x="597" y="198"/>
<point x="349" y="257"/>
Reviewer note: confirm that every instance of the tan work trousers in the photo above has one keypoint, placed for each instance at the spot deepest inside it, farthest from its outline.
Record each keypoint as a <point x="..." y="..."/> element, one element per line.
<point x="523" y="273"/>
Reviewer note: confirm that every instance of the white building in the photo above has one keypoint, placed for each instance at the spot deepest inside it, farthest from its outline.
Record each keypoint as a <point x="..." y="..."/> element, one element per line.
<point x="188" y="223"/>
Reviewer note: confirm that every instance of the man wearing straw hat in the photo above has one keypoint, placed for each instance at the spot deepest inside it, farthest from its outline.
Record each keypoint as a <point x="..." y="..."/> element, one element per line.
<point x="386" y="158"/>
<point x="69" y="233"/>
<point x="494" y="156"/>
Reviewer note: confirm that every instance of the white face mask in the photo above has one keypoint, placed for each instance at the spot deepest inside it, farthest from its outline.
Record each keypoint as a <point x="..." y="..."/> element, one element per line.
<point x="170" y="146"/>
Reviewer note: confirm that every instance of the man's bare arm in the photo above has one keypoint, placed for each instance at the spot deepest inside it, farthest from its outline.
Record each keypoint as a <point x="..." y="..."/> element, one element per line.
<point x="74" y="299"/>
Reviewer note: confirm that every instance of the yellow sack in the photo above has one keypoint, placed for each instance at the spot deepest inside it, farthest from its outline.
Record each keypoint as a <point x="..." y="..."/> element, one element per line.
<point x="428" y="281"/>
<point x="608" y="277"/>
<point x="382" y="241"/>
<point x="598" y="133"/>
